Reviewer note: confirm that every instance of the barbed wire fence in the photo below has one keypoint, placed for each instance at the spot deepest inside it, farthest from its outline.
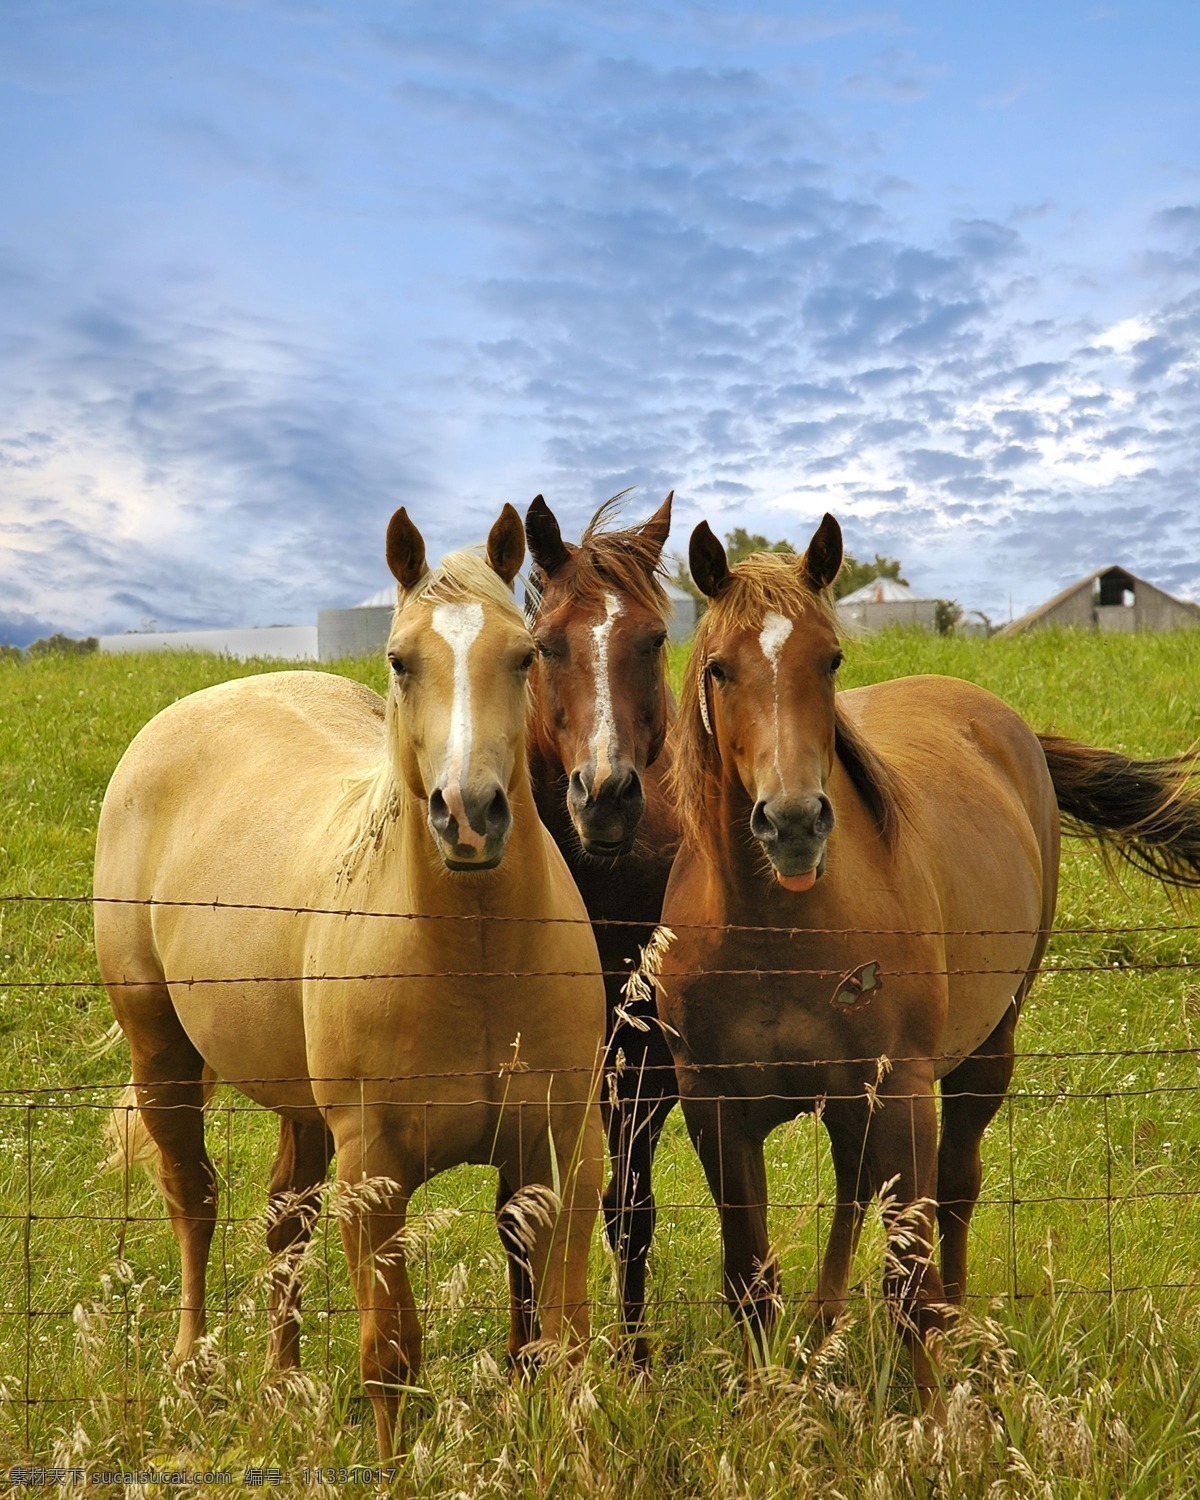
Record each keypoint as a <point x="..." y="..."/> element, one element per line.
<point x="1119" y="1181"/>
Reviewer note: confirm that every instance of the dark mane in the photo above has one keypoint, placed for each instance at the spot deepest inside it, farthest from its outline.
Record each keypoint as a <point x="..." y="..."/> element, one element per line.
<point x="606" y="560"/>
<point x="764" y="582"/>
<point x="874" y="780"/>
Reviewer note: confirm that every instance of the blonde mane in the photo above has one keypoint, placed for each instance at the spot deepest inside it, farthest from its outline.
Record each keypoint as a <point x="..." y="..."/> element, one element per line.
<point x="762" y="583"/>
<point x="459" y="577"/>
<point x="370" y="800"/>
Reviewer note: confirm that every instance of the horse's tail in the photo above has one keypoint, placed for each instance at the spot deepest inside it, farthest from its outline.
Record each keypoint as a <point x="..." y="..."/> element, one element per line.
<point x="1146" y="812"/>
<point x="129" y="1143"/>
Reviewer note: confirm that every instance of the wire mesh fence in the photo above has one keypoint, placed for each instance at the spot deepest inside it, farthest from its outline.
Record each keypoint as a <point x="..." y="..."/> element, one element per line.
<point x="1091" y="1161"/>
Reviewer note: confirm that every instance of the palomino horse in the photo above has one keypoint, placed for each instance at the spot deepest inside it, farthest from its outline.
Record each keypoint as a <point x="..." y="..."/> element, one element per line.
<point x="393" y="1040"/>
<point x="599" y="754"/>
<point x="848" y="967"/>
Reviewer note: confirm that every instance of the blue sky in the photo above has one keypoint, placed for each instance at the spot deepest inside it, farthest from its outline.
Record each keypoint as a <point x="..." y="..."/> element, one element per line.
<point x="270" y="269"/>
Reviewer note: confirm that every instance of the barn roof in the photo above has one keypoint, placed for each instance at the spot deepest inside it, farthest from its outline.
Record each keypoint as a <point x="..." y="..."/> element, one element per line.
<point x="881" y="591"/>
<point x="1023" y="622"/>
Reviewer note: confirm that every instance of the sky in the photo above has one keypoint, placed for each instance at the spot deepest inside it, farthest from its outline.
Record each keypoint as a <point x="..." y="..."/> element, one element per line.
<point x="271" y="268"/>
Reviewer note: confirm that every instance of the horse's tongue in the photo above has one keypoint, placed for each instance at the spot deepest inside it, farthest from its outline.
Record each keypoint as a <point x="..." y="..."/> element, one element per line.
<point x="803" y="882"/>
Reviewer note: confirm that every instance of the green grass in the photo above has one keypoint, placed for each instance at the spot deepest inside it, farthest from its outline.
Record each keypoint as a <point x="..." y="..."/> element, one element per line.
<point x="1067" y="1387"/>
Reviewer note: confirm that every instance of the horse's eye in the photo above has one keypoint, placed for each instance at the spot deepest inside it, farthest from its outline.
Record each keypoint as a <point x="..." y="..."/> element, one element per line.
<point x="717" y="672"/>
<point x="398" y="666"/>
<point x="658" y="642"/>
<point x="544" y="649"/>
<point x="526" y="662"/>
<point x="836" y="663"/>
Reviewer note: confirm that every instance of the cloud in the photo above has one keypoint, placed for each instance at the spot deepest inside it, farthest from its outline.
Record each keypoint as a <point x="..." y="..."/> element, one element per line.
<point x="210" y="471"/>
<point x="578" y="247"/>
<point x="896" y="75"/>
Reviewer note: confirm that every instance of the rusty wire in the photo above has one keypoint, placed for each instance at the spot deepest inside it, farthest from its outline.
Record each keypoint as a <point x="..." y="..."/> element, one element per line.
<point x="39" y="1101"/>
<point x="217" y="904"/>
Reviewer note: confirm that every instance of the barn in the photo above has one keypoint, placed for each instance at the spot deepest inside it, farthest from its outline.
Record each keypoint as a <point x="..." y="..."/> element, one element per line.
<point x="1112" y="599"/>
<point x="883" y="602"/>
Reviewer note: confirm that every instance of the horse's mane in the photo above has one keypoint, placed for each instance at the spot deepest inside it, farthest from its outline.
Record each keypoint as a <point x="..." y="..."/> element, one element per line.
<point x="460" y="577"/>
<point x="607" y="559"/>
<point x="763" y="583"/>
<point x="370" y="802"/>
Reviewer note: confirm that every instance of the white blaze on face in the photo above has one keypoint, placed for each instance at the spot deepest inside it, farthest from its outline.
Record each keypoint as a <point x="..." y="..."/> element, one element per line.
<point x="459" y="625"/>
<point x="605" y="733"/>
<point x="775" y="631"/>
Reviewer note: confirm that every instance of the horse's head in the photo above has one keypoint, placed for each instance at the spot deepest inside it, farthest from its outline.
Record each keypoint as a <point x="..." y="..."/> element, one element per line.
<point x="763" y="689"/>
<point x="600" y="683"/>
<point x="460" y="656"/>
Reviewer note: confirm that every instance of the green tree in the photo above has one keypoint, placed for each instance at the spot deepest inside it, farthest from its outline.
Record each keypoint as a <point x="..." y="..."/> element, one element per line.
<point x="946" y="615"/>
<point x="63" y="645"/>
<point x="740" y="543"/>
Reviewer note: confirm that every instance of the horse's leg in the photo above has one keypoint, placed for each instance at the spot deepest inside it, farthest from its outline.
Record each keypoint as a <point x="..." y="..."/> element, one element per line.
<point x="901" y="1156"/>
<point x="646" y="1094"/>
<point x="373" y="1236"/>
<point x="294" y="1203"/>
<point x="558" y="1242"/>
<point x="971" y="1096"/>
<point x="731" y="1154"/>
<point x="853" y="1193"/>
<point x="522" y="1324"/>
<point x="167" y="1082"/>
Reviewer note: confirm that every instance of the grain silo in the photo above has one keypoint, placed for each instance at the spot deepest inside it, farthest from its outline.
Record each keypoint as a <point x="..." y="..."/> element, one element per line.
<point x="361" y="631"/>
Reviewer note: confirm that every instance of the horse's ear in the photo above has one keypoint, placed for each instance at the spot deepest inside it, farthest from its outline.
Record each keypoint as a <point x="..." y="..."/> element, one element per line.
<point x="546" y="545"/>
<point x="823" y="561"/>
<point x="707" y="560"/>
<point x="658" y="528"/>
<point x="405" y="550"/>
<point x="506" y="545"/>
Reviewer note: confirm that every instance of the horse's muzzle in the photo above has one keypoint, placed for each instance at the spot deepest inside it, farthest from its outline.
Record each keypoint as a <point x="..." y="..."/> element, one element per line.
<point x="793" y="831"/>
<point x="606" y="818"/>
<point x="471" y="827"/>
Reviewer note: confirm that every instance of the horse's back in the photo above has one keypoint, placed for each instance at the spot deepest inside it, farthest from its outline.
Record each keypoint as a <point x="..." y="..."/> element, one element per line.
<point x="926" y="726"/>
<point x="253" y="743"/>
<point x="227" y="796"/>
<point x="973" y="777"/>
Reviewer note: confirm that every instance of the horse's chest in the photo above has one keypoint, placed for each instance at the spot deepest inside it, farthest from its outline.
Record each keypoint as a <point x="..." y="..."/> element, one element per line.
<point x="777" y="1000"/>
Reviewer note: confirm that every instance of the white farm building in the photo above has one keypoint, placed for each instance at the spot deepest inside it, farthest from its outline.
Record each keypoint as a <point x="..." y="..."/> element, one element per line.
<point x="884" y="602"/>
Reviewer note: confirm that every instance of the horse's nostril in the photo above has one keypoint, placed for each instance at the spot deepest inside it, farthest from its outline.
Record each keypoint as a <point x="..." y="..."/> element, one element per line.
<point x="439" y="814"/>
<point x="789" y="820"/>
<point x="630" y="789"/>
<point x="498" y="817"/>
<point x="761" y="825"/>
<point x="577" y="792"/>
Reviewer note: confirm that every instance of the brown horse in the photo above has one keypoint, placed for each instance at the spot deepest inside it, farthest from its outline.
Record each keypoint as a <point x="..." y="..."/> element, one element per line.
<point x="389" y="1040"/>
<point x="863" y="895"/>
<point x="599" y="755"/>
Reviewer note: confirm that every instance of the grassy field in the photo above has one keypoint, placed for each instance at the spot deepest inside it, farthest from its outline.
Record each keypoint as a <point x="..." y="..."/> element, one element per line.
<point x="1077" y="1372"/>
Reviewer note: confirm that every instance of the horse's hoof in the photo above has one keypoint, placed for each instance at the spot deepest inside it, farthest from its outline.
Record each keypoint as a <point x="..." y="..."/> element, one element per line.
<point x="522" y="1363"/>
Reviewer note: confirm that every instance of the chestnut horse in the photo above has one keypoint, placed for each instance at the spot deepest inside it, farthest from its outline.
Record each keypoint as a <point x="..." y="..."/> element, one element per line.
<point x="390" y="1039"/>
<point x="599" y="754"/>
<point x="878" y="873"/>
